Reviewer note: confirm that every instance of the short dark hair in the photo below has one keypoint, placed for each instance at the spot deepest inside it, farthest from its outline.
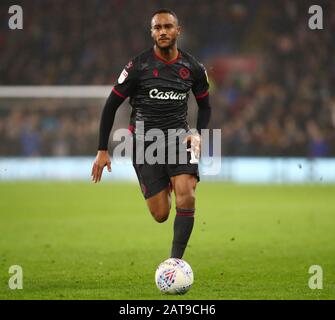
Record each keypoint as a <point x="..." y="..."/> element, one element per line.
<point x="165" y="10"/>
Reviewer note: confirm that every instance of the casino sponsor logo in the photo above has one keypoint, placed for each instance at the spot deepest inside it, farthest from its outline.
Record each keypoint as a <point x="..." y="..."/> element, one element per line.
<point x="167" y="95"/>
<point x="123" y="76"/>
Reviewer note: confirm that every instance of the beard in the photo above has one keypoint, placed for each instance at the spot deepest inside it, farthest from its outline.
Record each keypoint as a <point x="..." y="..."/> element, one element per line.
<point x="166" y="47"/>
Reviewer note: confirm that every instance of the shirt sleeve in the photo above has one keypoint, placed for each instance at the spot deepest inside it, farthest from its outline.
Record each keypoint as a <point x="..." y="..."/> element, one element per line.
<point x="127" y="80"/>
<point x="107" y="119"/>
<point x="201" y="85"/>
<point x="204" y="113"/>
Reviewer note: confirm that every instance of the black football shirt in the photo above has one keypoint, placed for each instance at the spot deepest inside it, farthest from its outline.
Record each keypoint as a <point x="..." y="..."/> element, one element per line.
<point x="159" y="90"/>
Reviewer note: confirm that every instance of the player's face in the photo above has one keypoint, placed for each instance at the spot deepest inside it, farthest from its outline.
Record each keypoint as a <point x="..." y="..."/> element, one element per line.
<point x="164" y="30"/>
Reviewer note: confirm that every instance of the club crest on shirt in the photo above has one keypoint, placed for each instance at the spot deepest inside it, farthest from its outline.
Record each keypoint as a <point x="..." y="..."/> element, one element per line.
<point x="123" y="76"/>
<point x="184" y="73"/>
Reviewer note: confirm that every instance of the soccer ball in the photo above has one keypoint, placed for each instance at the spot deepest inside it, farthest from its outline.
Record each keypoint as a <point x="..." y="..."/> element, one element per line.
<point x="174" y="276"/>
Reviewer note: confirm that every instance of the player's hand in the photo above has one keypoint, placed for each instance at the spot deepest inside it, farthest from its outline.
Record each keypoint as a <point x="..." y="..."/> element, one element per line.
<point x="195" y="149"/>
<point x="102" y="159"/>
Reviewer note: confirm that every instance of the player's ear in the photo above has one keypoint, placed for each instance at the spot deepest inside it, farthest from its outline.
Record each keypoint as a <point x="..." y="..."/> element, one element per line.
<point x="178" y="30"/>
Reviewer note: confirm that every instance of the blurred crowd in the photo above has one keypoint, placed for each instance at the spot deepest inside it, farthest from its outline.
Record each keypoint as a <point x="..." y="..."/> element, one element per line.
<point x="288" y="107"/>
<point x="285" y="107"/>
<point x="48" y="128"/>
<point x="89" y="41"/>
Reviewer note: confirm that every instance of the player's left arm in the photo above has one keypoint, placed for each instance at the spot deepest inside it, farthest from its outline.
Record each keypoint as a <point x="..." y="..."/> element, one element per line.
<point x="200" y="90"/>
<point x="204" y="113"/>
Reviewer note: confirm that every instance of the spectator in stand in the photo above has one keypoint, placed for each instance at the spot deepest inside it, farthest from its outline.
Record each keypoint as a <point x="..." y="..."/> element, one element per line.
<point x="285" y="108"/>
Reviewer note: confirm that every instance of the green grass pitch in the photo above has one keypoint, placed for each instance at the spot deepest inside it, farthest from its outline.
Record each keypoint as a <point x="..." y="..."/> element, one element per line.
<point x="86" y="241"/>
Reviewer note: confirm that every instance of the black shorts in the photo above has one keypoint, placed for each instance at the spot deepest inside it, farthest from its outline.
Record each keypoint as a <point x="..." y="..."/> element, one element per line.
<point x="153" y="178"/>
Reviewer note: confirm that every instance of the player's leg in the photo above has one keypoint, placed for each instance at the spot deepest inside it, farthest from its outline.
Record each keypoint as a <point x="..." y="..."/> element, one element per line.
<point x="155" y="185"/>
<point x="160" y="204"/>
<point x="184" y="186"/>
<point x="156" y="188"/>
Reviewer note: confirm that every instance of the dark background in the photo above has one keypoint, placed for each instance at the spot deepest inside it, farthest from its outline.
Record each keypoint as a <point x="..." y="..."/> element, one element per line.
<point x="272" y="78"/>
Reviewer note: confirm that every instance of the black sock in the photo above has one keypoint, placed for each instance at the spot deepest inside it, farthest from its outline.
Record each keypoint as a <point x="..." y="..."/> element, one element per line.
<point x="183" y="225"/>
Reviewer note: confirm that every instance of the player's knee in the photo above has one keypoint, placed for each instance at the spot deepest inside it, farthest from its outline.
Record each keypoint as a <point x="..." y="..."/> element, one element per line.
<point x="185" y="199"/>
<point x="160" y="215"/>
<point x="161" y="219"/>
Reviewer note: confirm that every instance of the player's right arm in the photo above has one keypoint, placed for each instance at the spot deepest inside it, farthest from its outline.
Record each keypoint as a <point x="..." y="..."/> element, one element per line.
<point x="106" y="123"/>
<point x="124" y="88"/>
